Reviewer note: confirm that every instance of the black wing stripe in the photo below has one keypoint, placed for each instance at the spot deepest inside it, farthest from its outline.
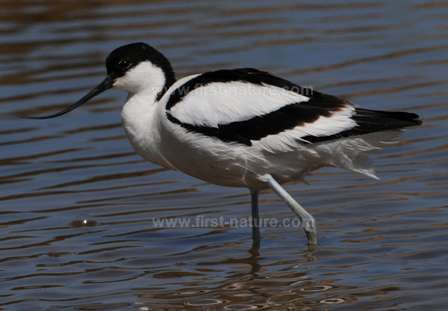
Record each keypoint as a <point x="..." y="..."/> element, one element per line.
<point x="290" y="116"/>
<point x="248" y="75"/>
<point x="256" y="128"/>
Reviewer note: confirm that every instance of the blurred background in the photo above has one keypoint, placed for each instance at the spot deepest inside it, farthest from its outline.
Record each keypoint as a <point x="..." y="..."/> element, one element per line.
<point x="382" y="243"/>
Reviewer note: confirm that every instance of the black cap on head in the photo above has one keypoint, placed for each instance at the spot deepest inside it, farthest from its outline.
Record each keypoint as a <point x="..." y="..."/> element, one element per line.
<point x="126" y="57"/>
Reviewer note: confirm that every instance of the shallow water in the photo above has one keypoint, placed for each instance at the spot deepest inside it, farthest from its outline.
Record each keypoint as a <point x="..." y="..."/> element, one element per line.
<point x="77" y="205"/>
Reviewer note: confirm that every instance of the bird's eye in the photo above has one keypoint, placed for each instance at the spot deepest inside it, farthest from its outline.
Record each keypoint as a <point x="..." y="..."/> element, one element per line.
<point x="123" y="63"/>
<point x="120" y="67"/>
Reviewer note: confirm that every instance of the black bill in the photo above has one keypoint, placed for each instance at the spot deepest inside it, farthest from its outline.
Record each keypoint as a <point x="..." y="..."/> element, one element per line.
<point x="103" y="86"/>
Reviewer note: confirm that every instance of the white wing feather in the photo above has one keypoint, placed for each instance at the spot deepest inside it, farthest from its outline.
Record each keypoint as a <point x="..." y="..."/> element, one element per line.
<point x="223" y="103"/>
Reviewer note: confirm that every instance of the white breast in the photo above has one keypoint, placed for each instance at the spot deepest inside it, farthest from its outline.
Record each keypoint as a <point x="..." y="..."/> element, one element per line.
<point x="140" y="121"/>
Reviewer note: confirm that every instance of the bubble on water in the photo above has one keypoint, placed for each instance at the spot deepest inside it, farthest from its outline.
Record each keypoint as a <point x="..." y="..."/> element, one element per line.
<point x="204" y="302"/>
<point x="234" y="286"/>
<point x="141" y="307"/>
<point x="300" y="282"/>
<point x="317" y="288"/>
<point x="332" y="301"/>
<point x="83" y="223"/>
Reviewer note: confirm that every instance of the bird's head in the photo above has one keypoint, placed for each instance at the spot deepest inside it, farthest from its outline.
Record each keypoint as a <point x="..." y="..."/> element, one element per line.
<point x="135" y="68"/>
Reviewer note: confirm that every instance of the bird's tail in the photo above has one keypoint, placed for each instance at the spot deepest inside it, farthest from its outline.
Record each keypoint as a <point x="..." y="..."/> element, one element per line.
<point x="374" y="130"/>
<point x="352" y="153"/>
<point x="375" y="120"/>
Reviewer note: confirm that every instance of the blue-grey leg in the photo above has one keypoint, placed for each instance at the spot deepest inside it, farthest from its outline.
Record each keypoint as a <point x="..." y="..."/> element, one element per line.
<point x="255" y="221"/>
<point x="308" y="222"/>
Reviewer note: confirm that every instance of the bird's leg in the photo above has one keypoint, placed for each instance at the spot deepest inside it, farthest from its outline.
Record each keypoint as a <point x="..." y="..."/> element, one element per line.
<point x="308" y="222"/>
<point x="255" y="222"/>
<point x="254" y="205"/>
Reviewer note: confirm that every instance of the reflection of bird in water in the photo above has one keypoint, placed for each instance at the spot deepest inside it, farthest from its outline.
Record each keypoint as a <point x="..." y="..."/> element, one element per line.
<point x="240" y="127"/>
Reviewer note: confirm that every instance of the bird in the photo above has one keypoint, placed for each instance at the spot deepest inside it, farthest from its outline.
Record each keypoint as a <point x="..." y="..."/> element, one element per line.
<point x="240" y="127"/>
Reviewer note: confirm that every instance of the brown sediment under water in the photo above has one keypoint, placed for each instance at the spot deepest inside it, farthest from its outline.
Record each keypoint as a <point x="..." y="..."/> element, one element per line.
<point x="77" y="206"/>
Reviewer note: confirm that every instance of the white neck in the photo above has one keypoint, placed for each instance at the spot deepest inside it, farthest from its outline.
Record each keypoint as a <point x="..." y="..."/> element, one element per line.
<point x="140" y="117"/>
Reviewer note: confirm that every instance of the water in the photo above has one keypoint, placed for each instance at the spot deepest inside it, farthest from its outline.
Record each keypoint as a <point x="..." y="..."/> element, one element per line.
<point x="77" y="204"/>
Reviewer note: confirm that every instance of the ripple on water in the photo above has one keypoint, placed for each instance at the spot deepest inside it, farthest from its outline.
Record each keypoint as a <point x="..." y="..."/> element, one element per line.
<point x="78" y="206"/>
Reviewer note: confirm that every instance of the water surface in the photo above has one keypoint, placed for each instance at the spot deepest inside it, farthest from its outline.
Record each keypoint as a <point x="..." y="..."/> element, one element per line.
<point x="77" y="204"/>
